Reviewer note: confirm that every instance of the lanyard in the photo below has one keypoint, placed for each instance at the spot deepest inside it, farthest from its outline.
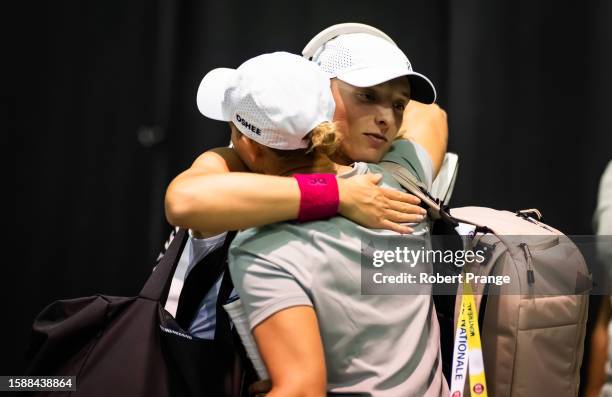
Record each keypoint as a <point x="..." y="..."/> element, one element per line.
<point x="468" y="350"/>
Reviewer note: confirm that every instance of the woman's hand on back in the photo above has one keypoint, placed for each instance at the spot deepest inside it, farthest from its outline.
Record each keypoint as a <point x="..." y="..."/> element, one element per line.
<point x="375" y="207"/>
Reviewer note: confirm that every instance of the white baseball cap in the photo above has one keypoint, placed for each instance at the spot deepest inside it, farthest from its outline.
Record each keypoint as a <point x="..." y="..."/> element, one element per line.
<point x="275" y="99"/>
<point x="363" y="56"/>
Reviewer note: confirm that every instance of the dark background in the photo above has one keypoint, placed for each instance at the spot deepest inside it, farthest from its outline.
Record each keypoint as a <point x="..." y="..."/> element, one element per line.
<point x="106" y="116"/>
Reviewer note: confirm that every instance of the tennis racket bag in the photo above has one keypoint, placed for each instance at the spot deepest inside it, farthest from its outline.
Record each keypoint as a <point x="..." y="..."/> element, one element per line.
<point x="533" y="328"/>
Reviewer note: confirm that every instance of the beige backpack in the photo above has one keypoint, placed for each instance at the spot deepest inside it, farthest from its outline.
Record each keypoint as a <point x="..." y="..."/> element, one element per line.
<point x="532" y="330"/>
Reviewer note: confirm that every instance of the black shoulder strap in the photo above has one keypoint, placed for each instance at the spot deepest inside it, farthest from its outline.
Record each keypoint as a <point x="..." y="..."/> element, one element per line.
<point x="223" y="329"/>
<point x="228" y="341"/>
<point x="226" y="335"/>
<point x="200" y="280"/>
<point x="158" y="283"/>
<point x="417" y="188"/>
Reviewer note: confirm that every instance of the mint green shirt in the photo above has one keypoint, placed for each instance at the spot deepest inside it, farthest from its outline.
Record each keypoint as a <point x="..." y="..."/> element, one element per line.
<point x="384" y="345"/>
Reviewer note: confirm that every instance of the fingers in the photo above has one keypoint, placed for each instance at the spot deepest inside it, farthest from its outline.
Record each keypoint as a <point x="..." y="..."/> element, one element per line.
<point x="395" y="227"/>
<point x="400" y="196"/>
<point x="401" y="217"/>
<point x="406" y="208"/>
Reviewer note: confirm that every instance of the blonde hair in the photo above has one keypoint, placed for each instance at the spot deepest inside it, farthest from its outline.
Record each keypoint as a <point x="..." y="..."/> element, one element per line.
<point x="324" y="140"/>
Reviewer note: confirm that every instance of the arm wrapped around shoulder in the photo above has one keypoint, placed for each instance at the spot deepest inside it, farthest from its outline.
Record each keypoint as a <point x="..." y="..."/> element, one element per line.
<point x="428" y="126"/>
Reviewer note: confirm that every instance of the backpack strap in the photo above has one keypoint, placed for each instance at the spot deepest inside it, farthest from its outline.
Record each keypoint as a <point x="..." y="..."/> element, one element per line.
<point x="226" y="335"/>
<point x="223" y="328"/>
<point x="409" y="182"/>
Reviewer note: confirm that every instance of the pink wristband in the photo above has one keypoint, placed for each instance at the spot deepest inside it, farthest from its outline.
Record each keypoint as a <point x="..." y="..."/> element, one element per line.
<point x="320" y="197"/>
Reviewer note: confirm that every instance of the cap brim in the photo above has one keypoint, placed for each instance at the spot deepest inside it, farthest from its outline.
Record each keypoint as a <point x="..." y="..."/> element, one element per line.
<point x="211" y="93"/>
<point x="421" y="88"/>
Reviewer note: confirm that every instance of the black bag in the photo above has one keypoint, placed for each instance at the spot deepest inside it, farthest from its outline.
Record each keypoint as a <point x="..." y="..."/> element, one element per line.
<point x="130" y="346"/>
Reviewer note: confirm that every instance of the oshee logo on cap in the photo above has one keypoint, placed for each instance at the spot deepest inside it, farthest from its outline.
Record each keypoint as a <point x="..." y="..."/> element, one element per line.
<point x="248" y="125"/>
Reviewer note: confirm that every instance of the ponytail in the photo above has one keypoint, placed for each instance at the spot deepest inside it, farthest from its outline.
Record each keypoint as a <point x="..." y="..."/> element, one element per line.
<point x="324" y="139"/>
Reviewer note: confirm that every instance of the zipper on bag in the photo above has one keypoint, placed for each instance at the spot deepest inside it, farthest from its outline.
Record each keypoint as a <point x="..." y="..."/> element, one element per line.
<point x="528" y="259"/>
